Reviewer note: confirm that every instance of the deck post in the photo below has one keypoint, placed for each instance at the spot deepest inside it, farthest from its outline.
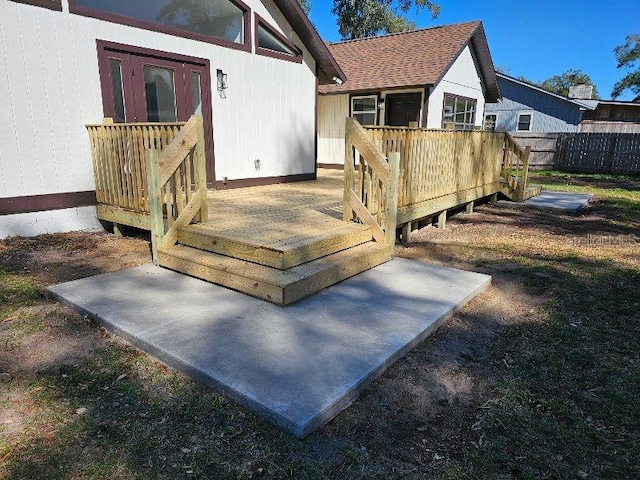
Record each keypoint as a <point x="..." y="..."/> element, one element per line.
<point x="391" y="204"/>
<point x="442" y="220"/>
<point x="522" y="184"/>
<point x="156" y="219"/>
<point x="406" y="233"/>
<point x="349" y="173"/>
<point x="469" y="208"/>
<point x="200" y="169"/>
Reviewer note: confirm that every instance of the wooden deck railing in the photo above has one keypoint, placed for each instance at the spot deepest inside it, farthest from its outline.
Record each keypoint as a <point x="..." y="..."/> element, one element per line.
<point x="440" y="170"/>
<point x="372" y="197"/>
<point x="515" y="167"/>
<point x="150" y="175"/>
<point x="436" y="163"/>
<point x="119" y="153"/>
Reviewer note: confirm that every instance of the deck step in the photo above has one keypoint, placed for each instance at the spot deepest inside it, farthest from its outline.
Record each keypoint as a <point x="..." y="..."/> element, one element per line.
<point x="281" y="287"/>
<point x="529" y="192"/>
<point x="282" y="249"/>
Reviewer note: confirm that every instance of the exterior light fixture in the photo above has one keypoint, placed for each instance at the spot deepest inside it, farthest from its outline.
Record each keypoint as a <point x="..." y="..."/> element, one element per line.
<point x="222" y="82"/>
<point x="381" y="105"/>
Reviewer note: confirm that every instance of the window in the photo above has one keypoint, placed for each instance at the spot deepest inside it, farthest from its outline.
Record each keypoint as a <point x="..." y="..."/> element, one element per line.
<point x="524" y="122"/>
<point x="365" y="109"/>
<point x="271" y="43"/>
<point x="215" y="21"/>
<point x="490" y="122"/>
<point x="459" y="112"/>
<point x="52" y="4"/>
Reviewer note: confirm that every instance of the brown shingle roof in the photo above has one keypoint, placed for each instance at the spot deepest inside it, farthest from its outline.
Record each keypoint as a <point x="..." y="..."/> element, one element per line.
<point x="417" y="58"/>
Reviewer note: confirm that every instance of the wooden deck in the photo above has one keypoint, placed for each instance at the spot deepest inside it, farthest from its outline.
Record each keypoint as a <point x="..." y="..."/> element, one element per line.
<point x="284" y="242"/>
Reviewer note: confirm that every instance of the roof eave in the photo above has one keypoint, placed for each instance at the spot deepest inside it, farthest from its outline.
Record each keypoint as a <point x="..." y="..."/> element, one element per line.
<point x="328" y="68"/>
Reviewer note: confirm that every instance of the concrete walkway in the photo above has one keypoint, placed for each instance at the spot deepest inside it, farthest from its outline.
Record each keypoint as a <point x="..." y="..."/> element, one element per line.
<point x="567" y="201"/>
<point x="295" y="366"/>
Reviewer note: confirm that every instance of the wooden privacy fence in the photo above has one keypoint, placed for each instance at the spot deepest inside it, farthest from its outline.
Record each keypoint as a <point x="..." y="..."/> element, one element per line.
<point x="150" y="175"/>
<point x="599" y="152"/>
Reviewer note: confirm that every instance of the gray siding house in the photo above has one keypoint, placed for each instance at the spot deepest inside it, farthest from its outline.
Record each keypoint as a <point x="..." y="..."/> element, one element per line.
<point x="528" y="108"/>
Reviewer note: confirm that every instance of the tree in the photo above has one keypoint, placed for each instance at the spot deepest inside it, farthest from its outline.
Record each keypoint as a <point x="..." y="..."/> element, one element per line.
<point x="305" y="5"/>
<point x="628" y="57"/>
<point x="366" y="18"/>
<point x="559" y="84"/>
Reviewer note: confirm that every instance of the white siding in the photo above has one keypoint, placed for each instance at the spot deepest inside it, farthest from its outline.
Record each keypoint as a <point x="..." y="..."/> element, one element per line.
<point x="50" y="88"/>
<point x="461" y="79"/>
<point x="333" y="111"/>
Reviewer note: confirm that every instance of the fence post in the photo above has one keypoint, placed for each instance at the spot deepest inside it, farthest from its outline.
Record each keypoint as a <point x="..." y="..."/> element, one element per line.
<point x="156" y="218"/>
<point x="200" y="168"/>
<point x="349" y="173"/>
<point x="391" y="202"/>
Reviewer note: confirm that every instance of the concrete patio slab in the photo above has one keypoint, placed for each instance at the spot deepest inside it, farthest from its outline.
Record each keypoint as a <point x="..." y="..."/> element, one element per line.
<point x="295" y="366"/>
<point x="567" y="201"/>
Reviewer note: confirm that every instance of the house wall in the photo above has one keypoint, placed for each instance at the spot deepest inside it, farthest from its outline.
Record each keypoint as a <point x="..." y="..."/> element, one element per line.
<point x="50" y="88"/>
<point x="463" y="79"/>
<point x="332" y="113"/>
<point x="549" y="113"/>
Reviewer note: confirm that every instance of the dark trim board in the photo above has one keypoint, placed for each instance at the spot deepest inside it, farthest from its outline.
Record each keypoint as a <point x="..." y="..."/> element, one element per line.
<point x="50" y="4"/>
<point x="260" y="182"/>
<point x="43" y="203"/>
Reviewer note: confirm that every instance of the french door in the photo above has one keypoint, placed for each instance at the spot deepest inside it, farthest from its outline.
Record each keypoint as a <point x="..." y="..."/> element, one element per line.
<point x="149" y="86"/>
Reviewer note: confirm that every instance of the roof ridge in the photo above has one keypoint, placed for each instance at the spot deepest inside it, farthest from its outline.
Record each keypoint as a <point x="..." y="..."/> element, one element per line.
<point x="375" y="37"/>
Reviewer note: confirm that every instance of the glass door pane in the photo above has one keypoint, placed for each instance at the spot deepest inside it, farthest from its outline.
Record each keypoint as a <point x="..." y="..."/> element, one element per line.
<point x="160" y="93"/>
<point x="115" y="66"/>
<point x="196" y="92"/>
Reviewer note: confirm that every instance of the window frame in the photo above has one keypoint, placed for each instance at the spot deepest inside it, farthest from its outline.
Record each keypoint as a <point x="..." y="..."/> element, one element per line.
<point x="456" y="98"/>
<point x="50" y="4"/>
<point x="374" y="111"/>
<point x="177" y="32"/>
<point x="266" y="52"/>
<point x="530" y="115"/>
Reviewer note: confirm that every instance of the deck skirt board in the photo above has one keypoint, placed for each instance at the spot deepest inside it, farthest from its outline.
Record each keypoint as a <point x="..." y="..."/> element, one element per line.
<point x="281" y="287"/>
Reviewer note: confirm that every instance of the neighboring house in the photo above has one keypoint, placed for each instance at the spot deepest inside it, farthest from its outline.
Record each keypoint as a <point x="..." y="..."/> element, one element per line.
<point x="529" y="108"/>
<point x="251" y="68"/>
<point x="436" y="78"/>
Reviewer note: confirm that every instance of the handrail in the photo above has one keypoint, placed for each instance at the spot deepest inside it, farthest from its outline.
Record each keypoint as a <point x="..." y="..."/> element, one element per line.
<point x="373" y="198"/>
<point x="515" y="167"/>
<point x="171" y="174"/>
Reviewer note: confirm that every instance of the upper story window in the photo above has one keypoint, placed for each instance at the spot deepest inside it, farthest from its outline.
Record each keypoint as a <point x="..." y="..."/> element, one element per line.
<point x="524" y="122"/>
<point x="216" y="21"/>
<point x="52" y="4"/>
<point x="365" y="109"/>
<point x="459" y="112"/>
<point x="271" y="43"/>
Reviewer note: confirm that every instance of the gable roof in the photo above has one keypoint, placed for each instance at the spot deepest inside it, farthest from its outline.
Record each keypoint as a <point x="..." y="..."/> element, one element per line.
<point x="417" y="58"/>
<point x="583" y="104"/>
<point x="328" y="68"/>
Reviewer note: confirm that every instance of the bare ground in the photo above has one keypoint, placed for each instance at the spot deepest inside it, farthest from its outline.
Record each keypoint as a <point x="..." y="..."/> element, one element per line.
<point x="419" y="419"/>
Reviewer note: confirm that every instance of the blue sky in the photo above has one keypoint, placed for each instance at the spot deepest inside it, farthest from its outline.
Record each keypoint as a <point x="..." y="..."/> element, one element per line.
<point x="534" y="39"/>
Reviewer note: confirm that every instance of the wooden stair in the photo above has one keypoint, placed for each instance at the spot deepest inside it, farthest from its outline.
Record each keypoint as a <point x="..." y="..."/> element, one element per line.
<point x="271" y="262"/>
